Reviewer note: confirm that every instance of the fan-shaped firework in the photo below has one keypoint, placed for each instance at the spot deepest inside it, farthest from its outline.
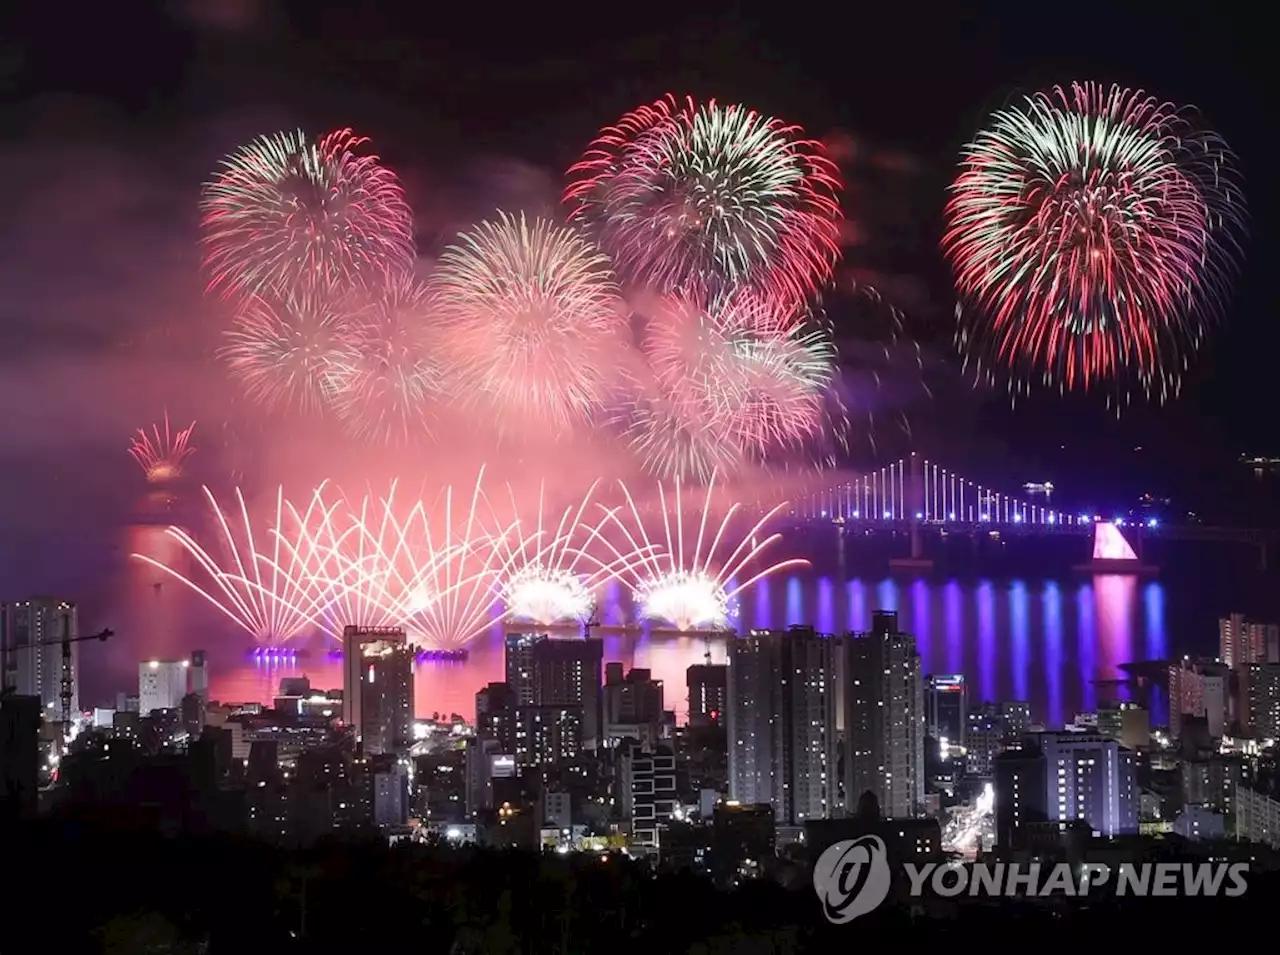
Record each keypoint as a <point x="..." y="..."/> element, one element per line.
<point x="685" y="577"/>
<point x="744" y="377"/>
<point x="273" y="593"/>
<point x="161" y="454"/>
<point x="386" y="380"/>
<point x="286" y="351"/>
<point x="1091" y="232"/>
<point x="676" y="435"/>
<point x="552" y="572"/>
<point x="534" y="317"/>
<point x="287" y="211"/>
<point x="679" y="192"/>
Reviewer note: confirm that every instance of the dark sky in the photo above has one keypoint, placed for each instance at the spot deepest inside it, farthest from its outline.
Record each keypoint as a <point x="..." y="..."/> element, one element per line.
<point x="115" y="113"/>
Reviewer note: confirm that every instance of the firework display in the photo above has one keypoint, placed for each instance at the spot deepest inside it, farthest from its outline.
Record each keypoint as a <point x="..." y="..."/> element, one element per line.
<point x="535" y="320"/>
<point x="1092" y="232"/>
<point x="441" y="570"/>
<point x="286" y="351"/>
<point x="753" y="373"/>
<point x="161" y="453"/>
<point x="288" y="211"/>
<point x="689" y="576"/>
<point x="681" y="192"/>
<point x="387" y="378"/>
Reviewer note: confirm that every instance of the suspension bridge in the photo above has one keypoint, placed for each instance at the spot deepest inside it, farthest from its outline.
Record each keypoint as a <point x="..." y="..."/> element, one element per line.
<point x="920" y="496"/>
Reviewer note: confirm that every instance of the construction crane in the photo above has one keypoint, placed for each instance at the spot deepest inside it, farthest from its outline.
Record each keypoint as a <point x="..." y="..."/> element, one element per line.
<point x="68" y="672"/>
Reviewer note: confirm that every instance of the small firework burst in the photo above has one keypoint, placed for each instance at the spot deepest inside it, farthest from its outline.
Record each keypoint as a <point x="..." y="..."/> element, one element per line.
<point x="162" y="451"/>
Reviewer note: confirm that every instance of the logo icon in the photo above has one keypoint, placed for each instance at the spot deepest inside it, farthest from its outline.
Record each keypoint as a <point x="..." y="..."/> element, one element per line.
<point x="852" y="878"/>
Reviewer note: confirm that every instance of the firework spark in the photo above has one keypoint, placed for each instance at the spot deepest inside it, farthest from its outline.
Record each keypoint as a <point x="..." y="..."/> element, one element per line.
<point x="287" y="212"/>
<point x="272" y="594"/>
<point x="1092" y="232"/>
<point x="288" y="351"/>
<point x="687" y="579"/>
<point x="739" y="378"/>
<point x="161" y="453"/>
<point x="553" y="574"/>
<point x="681" y="192"/>
<point x="387" y="376"/>
<point x="535" y="320"/>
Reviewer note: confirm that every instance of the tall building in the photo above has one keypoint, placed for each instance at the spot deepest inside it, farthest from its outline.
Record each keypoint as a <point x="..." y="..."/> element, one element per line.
<point x="1091" y="779"/>
<point x="781" y="722"/>
<point x="568" y="673"/>
<point x="1260" y="685"/>
<point x="708" y="685"/>
<point x="377" y="688"/>
<point x="495" y="716"/>
<point x="1242" y="641"/>
<point x="547" y="735"/>
<point x="200" y="675"/>
<point x="884" y="718"/>
<point x="31" y="657"/>
<point x="518" y="653"/>
<point x="1201" y="689"/>
<point x="546" y="672"/>
<point x="947" y="706"/>
<point x="161" y="685"/>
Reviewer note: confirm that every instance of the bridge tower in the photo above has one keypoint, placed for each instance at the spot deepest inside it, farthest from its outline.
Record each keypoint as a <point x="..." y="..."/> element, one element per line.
<point x="915" y="512"/>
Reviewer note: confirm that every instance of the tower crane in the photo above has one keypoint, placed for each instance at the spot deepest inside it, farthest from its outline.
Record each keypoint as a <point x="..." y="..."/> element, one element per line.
<point x="68" y="673"/>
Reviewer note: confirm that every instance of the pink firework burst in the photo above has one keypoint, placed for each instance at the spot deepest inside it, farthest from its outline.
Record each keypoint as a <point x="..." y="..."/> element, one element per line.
<point x="286" y="351"/>
<point x="681" y="192"/>
<point x="161" y="453"/>
<point x="288" y="211"/>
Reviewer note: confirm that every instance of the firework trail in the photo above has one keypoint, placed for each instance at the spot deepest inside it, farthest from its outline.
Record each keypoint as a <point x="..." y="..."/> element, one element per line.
<point x="272" y="594"/>
<point x="535" y="321"/>
<point x="287" y="351"/>
<point x="161" y="454"/>
<point x="686" y="578"/>
<point x="681" y="192"/>
<point x="552" y="573"/>
<point x="1092" y="232"/>
<point x="741" y="378"/>
<point x="387" y="376"/>
<point x="287" y="212"/>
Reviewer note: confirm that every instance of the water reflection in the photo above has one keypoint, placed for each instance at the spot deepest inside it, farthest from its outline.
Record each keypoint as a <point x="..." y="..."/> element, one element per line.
<point x="1012" y="639"/>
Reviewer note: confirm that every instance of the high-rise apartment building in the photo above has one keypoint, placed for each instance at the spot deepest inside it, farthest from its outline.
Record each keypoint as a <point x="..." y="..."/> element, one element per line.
<point x="947" y="706"/>
<point x="781" y="722"/>
<point x="1260" y="691"/>
<point x="547" y="672"/>
<point x="200" y="675"/>
<point x="708" y="685"/>
<point x="1128" y="723"/>
<point x="884" y="718"/>
<point x="1200" y="689"/>
<point x="377" y="688"/>
<point x="31" y="653"/>
<point x="547" y="735"/>
<point x="161" y="685"/>
<point x="1242" y="641"/>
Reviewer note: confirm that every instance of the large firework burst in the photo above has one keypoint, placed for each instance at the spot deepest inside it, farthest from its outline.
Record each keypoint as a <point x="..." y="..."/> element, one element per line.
<point x="1092" y="232"/>
<point x="681" y="192"/>
<point x="742" y="377"/>
<point x="287" y="211"/>
<point x="388" y="376"/>
<point x="535" y="320"/>
<point x="287" y="350"/>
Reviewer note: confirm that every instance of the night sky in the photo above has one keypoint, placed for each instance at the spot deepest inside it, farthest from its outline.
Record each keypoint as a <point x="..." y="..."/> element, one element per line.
<point x="115" y="115"/>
